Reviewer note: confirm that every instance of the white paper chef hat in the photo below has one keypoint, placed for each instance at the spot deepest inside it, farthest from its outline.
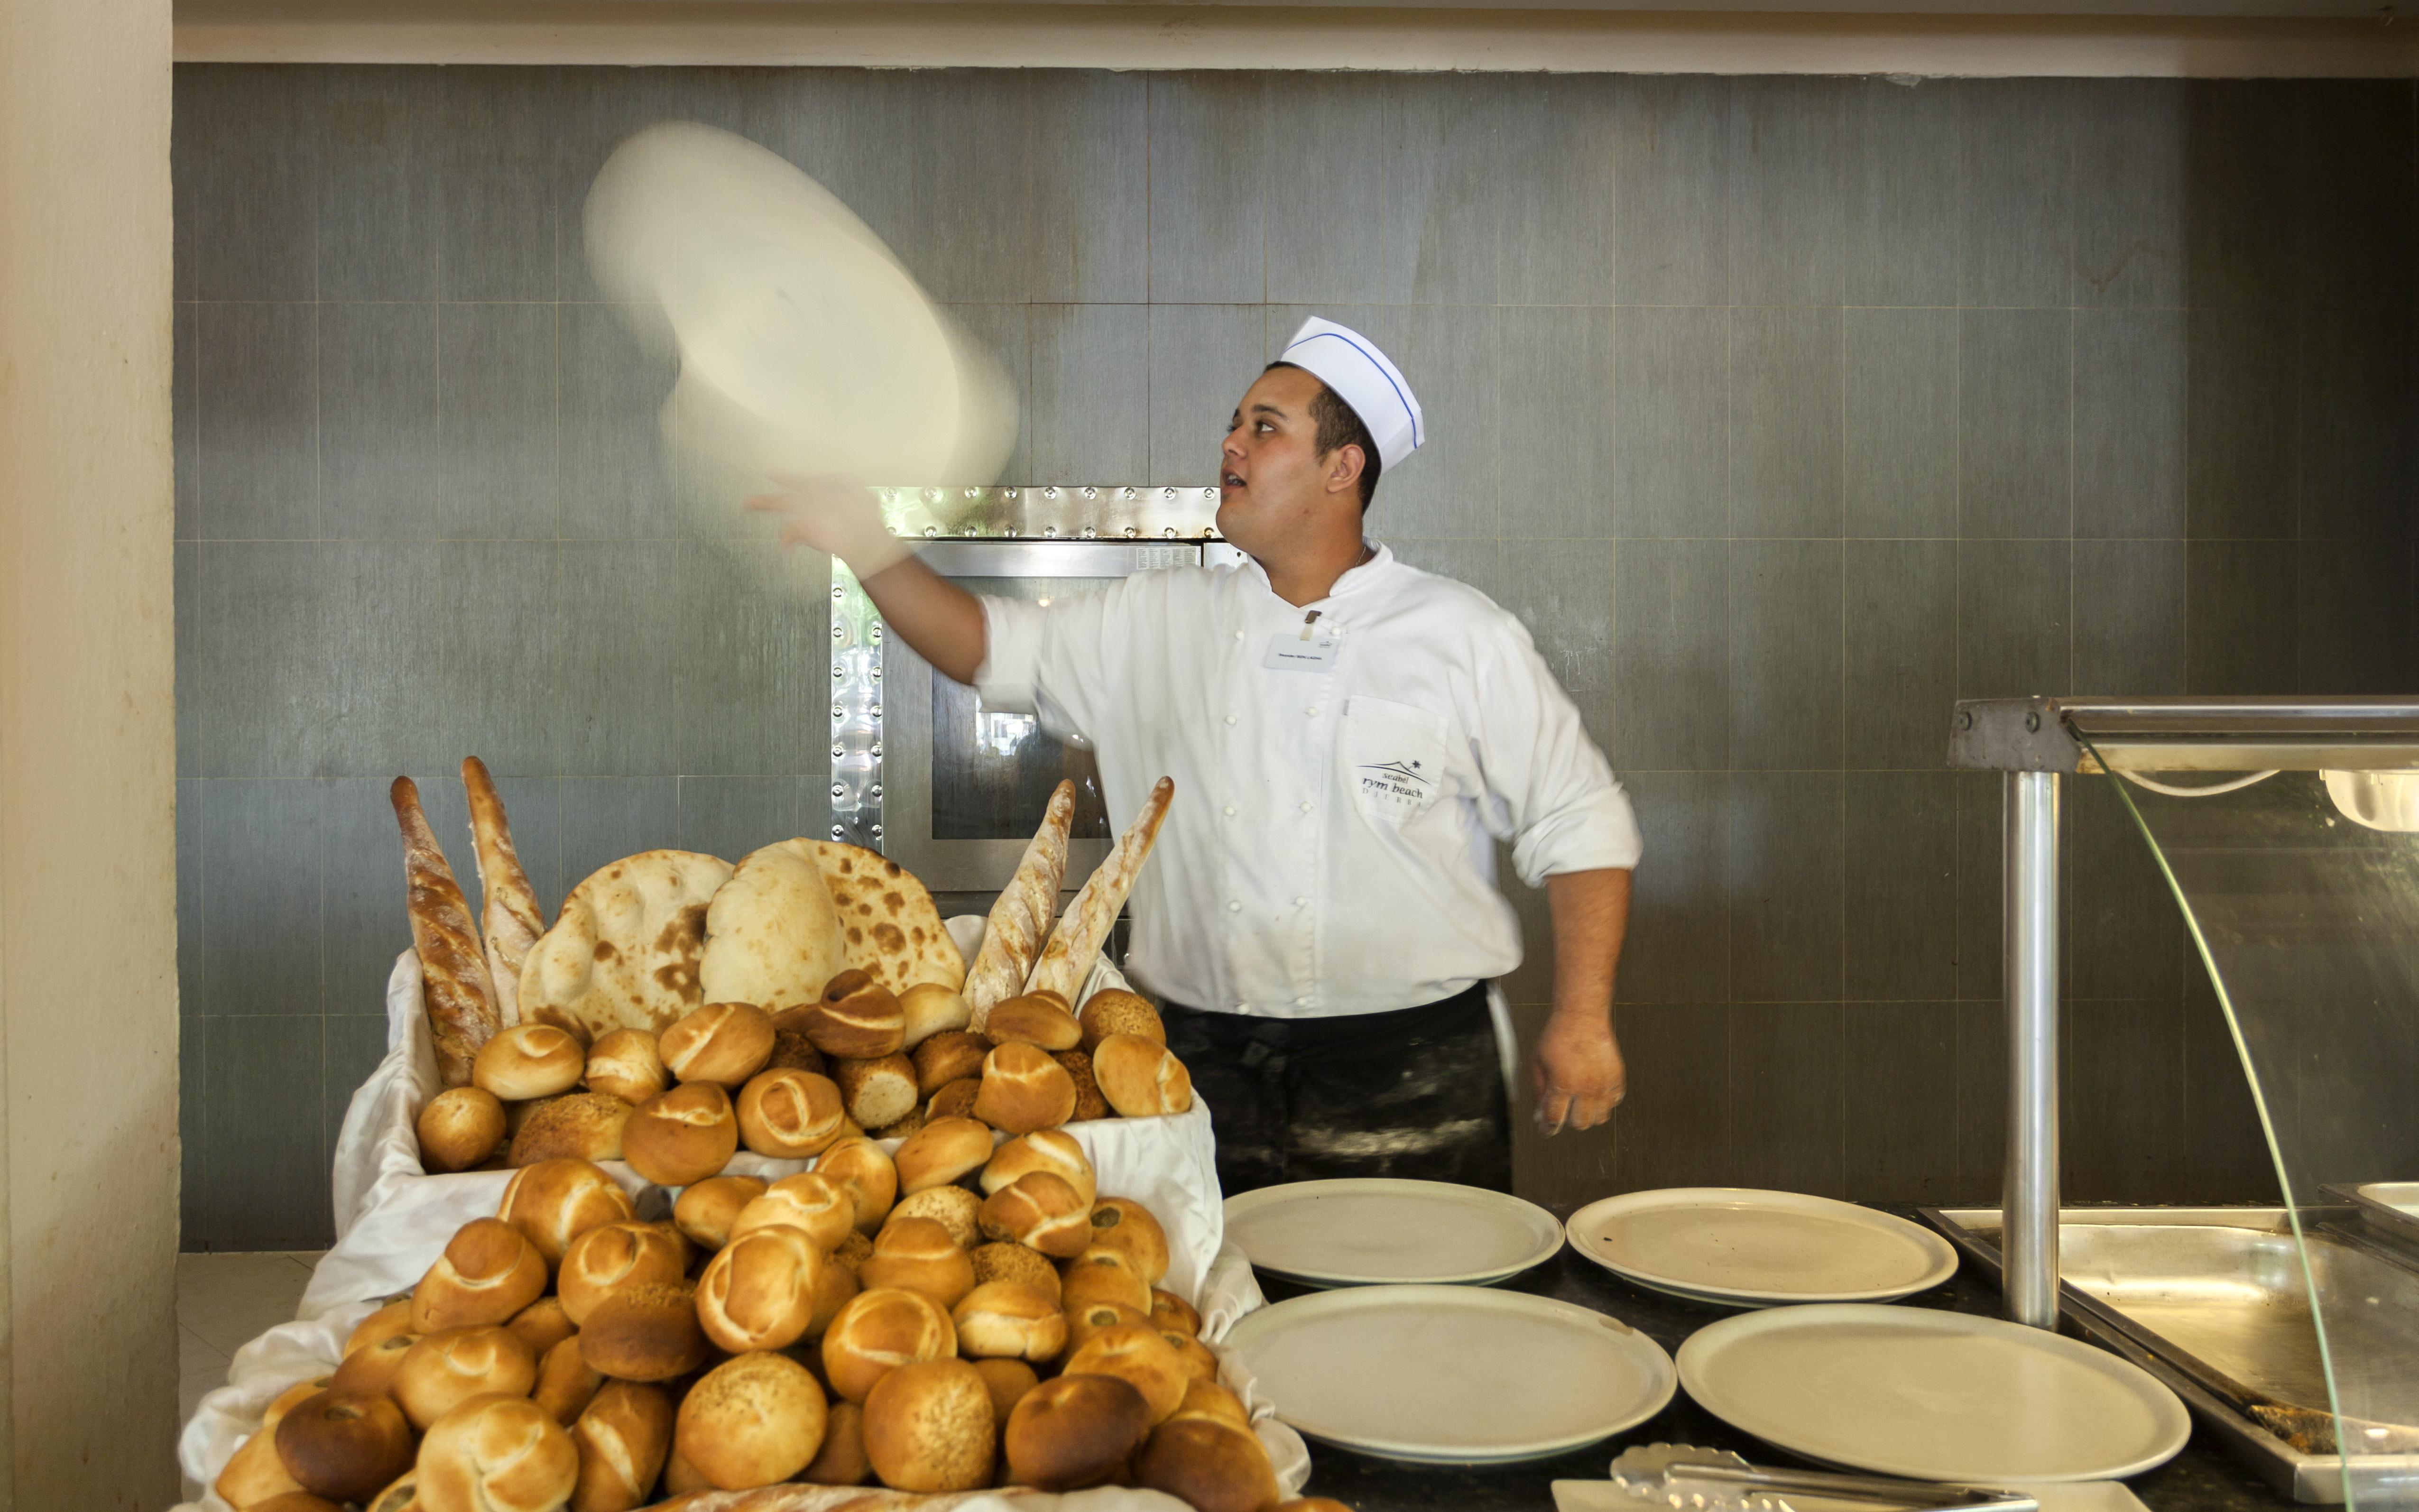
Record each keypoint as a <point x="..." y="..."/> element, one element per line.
<point x="1351" y="365"/>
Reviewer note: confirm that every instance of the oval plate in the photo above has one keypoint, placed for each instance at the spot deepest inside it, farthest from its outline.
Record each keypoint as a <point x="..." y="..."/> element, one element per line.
<point x="1376" y="1230"/>
<point x="1933" y="1395"/>
<point x="1452" y="1375"/>
<point x="1739" y="1247"/>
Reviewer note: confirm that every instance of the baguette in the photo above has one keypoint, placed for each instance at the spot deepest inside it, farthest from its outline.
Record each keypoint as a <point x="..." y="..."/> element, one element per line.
<point x="508" y="912"/>
<point x="454" y="986"/>
<point x="1075" y="945"/>
<point x="1020" y="920"/>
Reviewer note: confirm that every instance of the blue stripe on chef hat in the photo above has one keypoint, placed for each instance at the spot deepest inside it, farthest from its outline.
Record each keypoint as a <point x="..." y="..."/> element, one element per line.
<point x="1361" y="375"/>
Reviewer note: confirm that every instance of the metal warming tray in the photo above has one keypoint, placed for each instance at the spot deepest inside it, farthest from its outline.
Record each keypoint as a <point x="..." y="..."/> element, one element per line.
<point x="2213" y="1302"/>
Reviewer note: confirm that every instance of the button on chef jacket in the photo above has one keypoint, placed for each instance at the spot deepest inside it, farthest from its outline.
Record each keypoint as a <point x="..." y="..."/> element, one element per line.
<point x="1331" y="848"/>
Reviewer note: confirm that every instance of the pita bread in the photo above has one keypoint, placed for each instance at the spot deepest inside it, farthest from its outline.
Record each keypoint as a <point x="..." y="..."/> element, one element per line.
<point x="627" y="950"/>
<point x="773" y="934"/>
<point x="889" y="927"/>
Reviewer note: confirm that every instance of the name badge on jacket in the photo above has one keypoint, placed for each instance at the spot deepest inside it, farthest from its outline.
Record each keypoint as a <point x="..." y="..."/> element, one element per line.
<point x="1290" y="652"/>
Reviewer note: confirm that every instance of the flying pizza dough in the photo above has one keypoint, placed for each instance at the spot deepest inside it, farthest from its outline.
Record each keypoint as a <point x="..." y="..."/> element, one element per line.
<point x="805" y="347"/>
<point x="625" y="952"/>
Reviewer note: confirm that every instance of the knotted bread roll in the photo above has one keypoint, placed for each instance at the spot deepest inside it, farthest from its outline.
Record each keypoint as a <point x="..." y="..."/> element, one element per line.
<point x="759" y="1291"/>
<point x="444" y="1370"/>
<point x="1047" y="1149"/>
<point x="879" y="1331"/>
<point x="496" y="1454"/>
<point x="918" y="1255"/>
<point x="820" y="1208"/>
<point x="626" y="1063"/>
<point x="647" y="1332"/>
<point x="528" y="1061"/>
<point x="621" y="1439"/>
<point x="1009" y="1320"/>
<point x="866" y="1174"/>
<point x="1208" y="1465"/>
<point x="686" y="1134"/>
<point x="603" y="1261"/>
<point x="941" y="1152"/>
<point x="1041" y="1211"/>
<point x="790" y="1114"/>
<point x="1024" y="1089"/>
<point x="1137" y="1355"/>
<point x="953" y="1208"/>
<point x="1127" y="1226"/>
<point x="1140" y="1078"/>
<point x="555" y="1201"/>
<point x="724" y="1043"/>
<point x="460" y="1127"/>
<point x="489" y="1272"/>
<point x="344" y="1447"/>
<point x="705" y="1209"/>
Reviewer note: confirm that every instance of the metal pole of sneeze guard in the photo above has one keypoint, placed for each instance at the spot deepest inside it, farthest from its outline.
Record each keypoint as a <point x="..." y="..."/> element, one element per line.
<point x="2029" y="1206"/>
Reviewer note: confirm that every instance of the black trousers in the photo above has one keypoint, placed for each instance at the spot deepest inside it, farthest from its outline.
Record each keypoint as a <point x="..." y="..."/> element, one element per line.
<point x="1418" y="1092"/>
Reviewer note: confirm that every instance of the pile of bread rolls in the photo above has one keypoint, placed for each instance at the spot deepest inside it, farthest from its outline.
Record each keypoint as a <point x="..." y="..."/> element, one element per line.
<point x="860" y="1062"/>
<point x="957" y="1318"/>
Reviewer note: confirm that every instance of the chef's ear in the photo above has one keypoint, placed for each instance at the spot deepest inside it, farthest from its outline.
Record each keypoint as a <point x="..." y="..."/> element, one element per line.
<point x="1345" y="466"/>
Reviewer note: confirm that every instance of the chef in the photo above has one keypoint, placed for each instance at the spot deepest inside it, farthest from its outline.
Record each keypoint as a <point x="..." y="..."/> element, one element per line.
<point x="1351" y="737"/>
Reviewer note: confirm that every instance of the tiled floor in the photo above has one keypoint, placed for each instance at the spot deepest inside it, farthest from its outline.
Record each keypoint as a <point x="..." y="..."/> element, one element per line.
<point x="223" y="1302"/>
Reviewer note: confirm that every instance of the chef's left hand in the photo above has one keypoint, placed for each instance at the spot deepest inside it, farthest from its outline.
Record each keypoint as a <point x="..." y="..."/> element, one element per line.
<point x="1579" y="1074"/>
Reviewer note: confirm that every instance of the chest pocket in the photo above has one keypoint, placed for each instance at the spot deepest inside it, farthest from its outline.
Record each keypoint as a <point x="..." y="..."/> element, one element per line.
<point x="1394" y="758"/>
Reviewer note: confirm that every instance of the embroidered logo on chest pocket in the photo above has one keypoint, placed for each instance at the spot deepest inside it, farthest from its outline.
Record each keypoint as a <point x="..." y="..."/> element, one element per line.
<point x="1394" y="758"/>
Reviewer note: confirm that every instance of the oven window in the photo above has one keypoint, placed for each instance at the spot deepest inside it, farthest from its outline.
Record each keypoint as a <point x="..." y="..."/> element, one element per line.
<point x="994" y="772"/>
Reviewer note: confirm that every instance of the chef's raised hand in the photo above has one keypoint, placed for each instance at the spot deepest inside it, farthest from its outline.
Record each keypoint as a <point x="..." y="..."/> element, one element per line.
<point x="1579" y="1073"/>
<point x="838" y="515"/>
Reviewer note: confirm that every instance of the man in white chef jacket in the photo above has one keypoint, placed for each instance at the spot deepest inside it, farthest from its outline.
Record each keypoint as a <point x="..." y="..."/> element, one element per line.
<point x="1350" y="739"/>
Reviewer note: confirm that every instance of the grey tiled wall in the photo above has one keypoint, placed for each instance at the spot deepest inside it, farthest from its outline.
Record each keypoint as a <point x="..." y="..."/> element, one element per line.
<point x="1784" y="410"/>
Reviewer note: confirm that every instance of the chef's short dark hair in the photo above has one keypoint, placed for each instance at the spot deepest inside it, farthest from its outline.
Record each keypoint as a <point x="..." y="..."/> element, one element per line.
<point x="1339" y="426"/>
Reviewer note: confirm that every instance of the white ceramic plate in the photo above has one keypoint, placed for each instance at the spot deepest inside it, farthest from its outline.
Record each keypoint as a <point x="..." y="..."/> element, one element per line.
<point x="1380" y="1232"/>
<point x="1745" y="1248"/>
<point x="2401" y="1195"/>
<point x="1452" y="1375"/>
<point x="1935" y="1396"/>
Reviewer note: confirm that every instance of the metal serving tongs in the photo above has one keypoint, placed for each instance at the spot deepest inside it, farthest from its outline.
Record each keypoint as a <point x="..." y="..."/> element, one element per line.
<point x="1689" y="1479"/>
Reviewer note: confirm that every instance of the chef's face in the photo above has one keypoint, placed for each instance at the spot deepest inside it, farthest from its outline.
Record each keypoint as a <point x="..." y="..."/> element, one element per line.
<point x="1274" y="484"/>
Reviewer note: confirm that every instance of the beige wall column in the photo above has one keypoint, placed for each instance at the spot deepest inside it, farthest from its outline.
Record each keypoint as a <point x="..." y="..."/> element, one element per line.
<point x="87" y="753"/>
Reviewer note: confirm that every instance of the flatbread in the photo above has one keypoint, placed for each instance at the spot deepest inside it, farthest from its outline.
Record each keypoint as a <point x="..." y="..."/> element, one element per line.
<point x="627" y="950"/>
<point x="888" y="925"/>
<point x="773" y="934"/>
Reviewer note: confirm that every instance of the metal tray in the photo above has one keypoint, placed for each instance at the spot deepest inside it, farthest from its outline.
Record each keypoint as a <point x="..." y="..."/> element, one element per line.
<point x="2212" y="1301"/>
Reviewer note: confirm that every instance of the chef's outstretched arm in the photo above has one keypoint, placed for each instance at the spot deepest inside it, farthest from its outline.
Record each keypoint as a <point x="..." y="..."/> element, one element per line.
<point x="941" y="620"/>
<point x="1579" y="1074"/>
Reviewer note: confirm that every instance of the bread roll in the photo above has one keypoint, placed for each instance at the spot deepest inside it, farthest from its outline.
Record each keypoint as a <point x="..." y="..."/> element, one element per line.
<point x="705" y="1210"/>
<point x="1047" y="1150"/>
<point x="857" y="1020"/>
<point x="370" y="1371"/>
<point x="460" y="1127"/>
<point x="1089" y="1319"/>
<point x="388" y="1321"/>
<point x="403" y="1495"/>
<point x="1140" y="1078"/>
<point x="1024" y="1089"/>
<point x="1172" y="1314"/>
<point x="842" y="1460"/>
<point x="948" y="1056"/>
<point x="488" y="1272"/>
<point x="584" y="1126"/>
<point x="809" y="1202"/>
<point x="1138" y="1355"/>
<point x="1115" y="1011"/>
<point x="603" y="1261"/>
<point x="1007" y="1260"/>
<point x="1008" y="1381"/>
<point x="1089" y="1103"/>
<point x="929" y="1009"/>
<point x="1041" y="1211"/>
<point x="1038" y="1021"/>
<point x="1200" y="1364"/>
<point x="918" y="1255"/>
<point x="496" y="1454"/>
<point x="621" y="1440"/>
<point x="1127" y="1226"/>
<point x="1206" y="1399"/>
<point x="879" y="1331"/>
<point x="444" y="1370"/>
<point x="953" y="1208"/>
<point x="1075" y="1431"/>
<point x="794" y="1051"/>
<point x="835" y="1289"/>
<point x="940" y="1152"/>
<point x="528" y="1061"/>
<point x="295" y="1502"/>
<point x="907" y="1128"/>
<point x="625" y="1063"/>
<point x="724" y="1043"/>
<point x="541" y="1325"/>
<point x="872" y="1181"/>
<point x="753" y="1420"/>
<point x="454" y="988"/>
<point x="344" y="1447"/>
<point x="876" y="1092"/>
<point x="555" y="1201"/>
<point x="1009" y="1320"/>
<point x="647" y="1332"/>
<point x="254" y="1473"/>
<point x="759" y="1291"/>
<point x="955" y="1100"/>
<point x="1210" y="1466"/>
<point x="853" y="1249"/>
<point x="681" y="1478"/>
<point x="927" y="1428"/>
<point x="686" y="1134"/>
<point x="1105" y="1276"/>
<point x="790" y="1114"/>
<point x="567" y="1382"/>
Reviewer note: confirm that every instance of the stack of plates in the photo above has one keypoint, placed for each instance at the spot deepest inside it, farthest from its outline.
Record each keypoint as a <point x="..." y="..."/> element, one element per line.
<point x="1743" y="1248"/>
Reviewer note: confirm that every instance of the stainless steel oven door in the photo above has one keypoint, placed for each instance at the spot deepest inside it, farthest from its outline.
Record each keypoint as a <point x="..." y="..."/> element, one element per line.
<point x="964" y="787"/>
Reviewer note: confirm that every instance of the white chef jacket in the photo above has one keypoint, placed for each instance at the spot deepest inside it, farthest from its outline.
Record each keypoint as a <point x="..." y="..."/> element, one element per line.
<point x="1330" y="847"/>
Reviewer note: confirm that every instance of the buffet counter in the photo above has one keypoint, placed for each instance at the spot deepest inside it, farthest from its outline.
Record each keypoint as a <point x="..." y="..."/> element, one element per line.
<point x="2202" y="1478"/>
